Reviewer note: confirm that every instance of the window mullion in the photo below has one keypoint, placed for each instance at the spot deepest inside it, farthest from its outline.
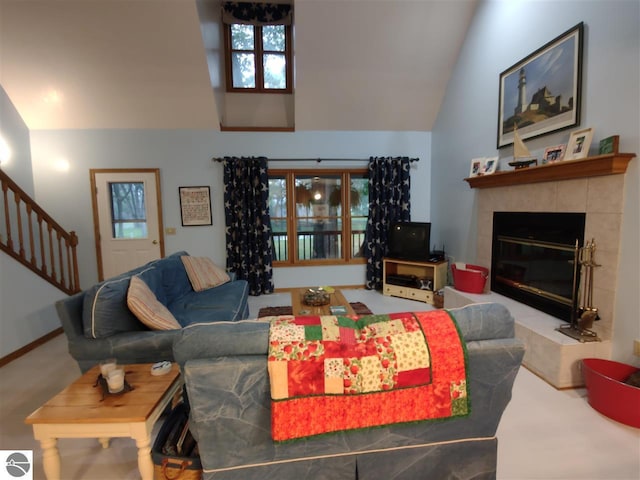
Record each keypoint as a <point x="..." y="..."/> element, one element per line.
<point x="288" y="55"/>
<point x="346" y="216"/>
<point x="259" y="51"/>
<point x="292" y="219"/>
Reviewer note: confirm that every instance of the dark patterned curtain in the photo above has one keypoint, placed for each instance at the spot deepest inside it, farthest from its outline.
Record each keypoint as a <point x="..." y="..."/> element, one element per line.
<point x="389" y="202"/>
<point x="256" y="13"/>
<point x="246" y="195"/>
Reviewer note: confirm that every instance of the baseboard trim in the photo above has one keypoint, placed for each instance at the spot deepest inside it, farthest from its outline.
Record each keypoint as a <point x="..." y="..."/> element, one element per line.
<point x="31" y="346"/>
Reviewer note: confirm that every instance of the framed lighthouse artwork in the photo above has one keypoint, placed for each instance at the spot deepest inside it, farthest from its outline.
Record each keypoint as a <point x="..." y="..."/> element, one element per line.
<point x="541" y="93"/>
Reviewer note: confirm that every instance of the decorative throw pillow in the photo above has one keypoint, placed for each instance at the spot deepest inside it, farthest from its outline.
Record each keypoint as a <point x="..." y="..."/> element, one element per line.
<point x="203" y="273"/>
<point x="146" y="307"/>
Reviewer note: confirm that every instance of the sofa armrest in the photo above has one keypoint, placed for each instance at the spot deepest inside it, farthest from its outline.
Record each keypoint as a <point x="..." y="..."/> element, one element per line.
<point x="70" y="312"/>
<point x="484" y="321"/>
<point x="221" y="339"/>
<point x="128" y="347"/>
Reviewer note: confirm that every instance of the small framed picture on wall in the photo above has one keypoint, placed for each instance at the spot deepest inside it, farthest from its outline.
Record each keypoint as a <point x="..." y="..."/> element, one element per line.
<point x="195" y="206"/>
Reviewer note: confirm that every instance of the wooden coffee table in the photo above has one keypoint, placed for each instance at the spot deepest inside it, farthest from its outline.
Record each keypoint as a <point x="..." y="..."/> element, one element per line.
<point x="80" y="411"/>
<point x="300" y="308"/>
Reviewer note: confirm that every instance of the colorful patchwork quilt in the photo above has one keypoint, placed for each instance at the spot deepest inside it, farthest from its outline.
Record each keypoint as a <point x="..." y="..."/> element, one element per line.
<point x="333" y="373"/>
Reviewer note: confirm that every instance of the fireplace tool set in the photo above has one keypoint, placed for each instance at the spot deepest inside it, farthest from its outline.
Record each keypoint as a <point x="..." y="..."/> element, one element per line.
<point x="583" y="316"/>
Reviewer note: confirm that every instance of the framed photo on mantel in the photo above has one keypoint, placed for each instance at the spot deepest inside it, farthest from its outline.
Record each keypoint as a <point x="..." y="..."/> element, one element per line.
<point x="579" y="144"/>
<point x="609" y="145"/>
<point x="541" y="93"/>
<point x="553" y="154"/>
<point x="477" y="167"/>
<point x="490" y="165"/>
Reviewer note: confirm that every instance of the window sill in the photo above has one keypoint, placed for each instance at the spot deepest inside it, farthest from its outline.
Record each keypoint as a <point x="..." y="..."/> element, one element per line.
<point x="226" y="128"/>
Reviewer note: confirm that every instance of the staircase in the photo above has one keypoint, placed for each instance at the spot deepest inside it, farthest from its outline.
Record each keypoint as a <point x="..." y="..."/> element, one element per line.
<point x="36" y="240"/>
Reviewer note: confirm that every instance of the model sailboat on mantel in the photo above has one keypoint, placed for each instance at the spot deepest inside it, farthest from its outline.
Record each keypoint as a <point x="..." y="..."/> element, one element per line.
<point x="522" y="158"/>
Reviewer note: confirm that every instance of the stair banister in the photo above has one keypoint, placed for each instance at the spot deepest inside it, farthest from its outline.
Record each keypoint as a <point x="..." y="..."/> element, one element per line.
<point x="56" y="259"/>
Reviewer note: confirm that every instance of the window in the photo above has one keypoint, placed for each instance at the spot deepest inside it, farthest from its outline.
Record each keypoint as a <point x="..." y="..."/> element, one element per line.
<point x="314" y="220"/>
<point x="258" y="58"/>
<point x="128" y="212"/>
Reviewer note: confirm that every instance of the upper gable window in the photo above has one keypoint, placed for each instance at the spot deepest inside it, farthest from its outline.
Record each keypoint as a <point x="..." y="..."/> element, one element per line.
<point x="257" y="47"/>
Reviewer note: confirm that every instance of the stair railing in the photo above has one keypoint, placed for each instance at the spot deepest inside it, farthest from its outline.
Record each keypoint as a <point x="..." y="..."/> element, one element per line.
<point x="36" y="240"/>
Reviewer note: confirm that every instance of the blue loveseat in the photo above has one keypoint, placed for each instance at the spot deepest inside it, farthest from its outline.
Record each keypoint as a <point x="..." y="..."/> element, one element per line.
<point x="98" y="323"/>
<point x="225" y="372"/>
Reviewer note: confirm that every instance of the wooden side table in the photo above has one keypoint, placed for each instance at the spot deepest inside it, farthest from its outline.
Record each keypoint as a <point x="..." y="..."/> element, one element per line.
<point x="80" y="411"/>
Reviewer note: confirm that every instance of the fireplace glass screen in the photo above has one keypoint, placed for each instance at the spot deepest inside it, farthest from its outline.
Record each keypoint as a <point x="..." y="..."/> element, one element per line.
<point x="533" y="258"/>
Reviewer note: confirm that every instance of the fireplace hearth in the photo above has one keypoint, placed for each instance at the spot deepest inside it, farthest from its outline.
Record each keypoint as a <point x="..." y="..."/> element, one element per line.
<point x="533" y="259"/>
<point x="598" y="193"/>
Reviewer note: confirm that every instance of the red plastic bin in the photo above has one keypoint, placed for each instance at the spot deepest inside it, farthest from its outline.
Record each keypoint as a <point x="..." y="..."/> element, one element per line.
<point x="608" y="394"/>
<point x="471" y="280"/>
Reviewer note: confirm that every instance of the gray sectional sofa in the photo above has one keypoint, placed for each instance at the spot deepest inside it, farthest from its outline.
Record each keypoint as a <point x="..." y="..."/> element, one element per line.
<point x="98" y="324"/>
<point x="225" y="371"/>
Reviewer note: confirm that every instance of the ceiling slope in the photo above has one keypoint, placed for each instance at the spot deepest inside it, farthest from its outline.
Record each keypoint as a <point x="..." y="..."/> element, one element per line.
<point x="375" y="65"/>
<point x="360" y="64"/>
<point x="105" y="64"/>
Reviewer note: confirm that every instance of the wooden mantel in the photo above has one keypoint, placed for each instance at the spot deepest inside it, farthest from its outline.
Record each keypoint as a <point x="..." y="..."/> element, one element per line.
<point x="610" y="164"/>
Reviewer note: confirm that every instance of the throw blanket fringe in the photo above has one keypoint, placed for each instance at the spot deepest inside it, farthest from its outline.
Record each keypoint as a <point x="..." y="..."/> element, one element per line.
<point x="335" y="373"/>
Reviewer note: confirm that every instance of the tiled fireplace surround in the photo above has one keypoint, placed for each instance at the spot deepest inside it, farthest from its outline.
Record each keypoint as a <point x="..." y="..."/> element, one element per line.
<point x="550" y="354"/>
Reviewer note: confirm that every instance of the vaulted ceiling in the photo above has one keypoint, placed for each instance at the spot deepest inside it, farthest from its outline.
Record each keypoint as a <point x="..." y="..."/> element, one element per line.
<point x="359" y="64"/>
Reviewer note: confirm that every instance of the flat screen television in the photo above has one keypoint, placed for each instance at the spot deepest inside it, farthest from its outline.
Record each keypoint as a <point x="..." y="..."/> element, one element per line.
<point x="409" y="241"/>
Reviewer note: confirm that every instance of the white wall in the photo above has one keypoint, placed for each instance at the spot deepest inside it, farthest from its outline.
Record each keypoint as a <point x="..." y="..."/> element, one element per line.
<point x="16" y="135"/>
<point x="183" y="157"/>
<point x="501" y="34"/>
<point x="27" y="309"/>
<point x="26" y="301"/>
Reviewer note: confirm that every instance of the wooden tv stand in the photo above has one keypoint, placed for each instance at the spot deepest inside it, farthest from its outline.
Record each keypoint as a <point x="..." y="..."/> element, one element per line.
<point x="435" y="271"/>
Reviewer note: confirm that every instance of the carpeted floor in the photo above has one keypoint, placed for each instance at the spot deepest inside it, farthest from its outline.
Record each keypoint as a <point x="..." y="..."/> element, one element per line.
<point x="358" y="307"/>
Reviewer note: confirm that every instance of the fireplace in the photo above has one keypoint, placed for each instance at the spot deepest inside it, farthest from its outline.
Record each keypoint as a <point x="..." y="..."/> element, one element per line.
<point x="533" y="259"/>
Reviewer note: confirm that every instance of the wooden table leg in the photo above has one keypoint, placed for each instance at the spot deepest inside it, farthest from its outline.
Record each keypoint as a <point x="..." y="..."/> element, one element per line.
<point x="145" y="464"/>
<point x="50" y="458"/>
<point x="104" y="441"/>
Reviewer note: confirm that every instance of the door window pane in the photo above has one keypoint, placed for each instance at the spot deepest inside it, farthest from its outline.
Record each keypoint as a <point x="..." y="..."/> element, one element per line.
<point x="128" y="212"/>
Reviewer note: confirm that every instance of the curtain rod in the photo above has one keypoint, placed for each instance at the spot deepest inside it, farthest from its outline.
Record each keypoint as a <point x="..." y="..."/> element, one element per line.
<point x="318" y="160"/>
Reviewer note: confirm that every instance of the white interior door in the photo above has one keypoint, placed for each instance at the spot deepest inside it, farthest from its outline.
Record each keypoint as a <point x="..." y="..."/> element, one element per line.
<point x="127" y="219"/>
